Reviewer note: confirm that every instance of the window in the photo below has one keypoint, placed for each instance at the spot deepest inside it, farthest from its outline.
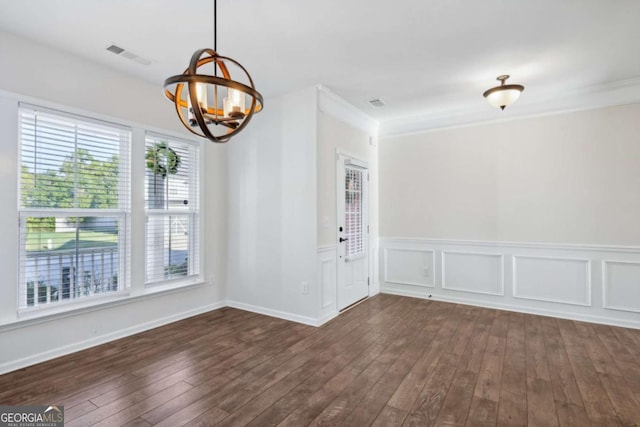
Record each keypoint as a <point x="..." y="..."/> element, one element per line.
<point x="172" y="209"/>
<point x="73" y="208"/>
<point x="354" y="211"/>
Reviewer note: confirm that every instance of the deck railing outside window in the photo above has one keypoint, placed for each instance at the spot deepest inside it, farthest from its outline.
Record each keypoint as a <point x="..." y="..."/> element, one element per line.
<point x="63" y="275"/>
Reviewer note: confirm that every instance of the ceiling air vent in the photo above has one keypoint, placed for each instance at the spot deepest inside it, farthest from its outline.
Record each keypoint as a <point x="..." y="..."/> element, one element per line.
<point x="128" y="54"/>
<point x="376" y="103"/>
<point x="115" y="49"/>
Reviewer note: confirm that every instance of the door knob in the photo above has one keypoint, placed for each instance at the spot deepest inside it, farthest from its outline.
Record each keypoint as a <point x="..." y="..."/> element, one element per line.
<point x="343" y="240"/>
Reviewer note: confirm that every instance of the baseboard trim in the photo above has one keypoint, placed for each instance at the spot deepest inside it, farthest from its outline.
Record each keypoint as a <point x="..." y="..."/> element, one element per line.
<point x="102" y="339"/>
<point x="123" y="333"/>
<point x="72" y="348"/>
<point x="327" y="317"/>
<point x="275" y="313"/>
<point x="508" y="307"/>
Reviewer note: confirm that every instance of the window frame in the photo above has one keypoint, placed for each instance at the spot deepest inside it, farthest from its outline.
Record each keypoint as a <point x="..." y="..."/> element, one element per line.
<point x="122" y="213"/>
<point x="136" y="288"/>
<point x="195" y="232"/>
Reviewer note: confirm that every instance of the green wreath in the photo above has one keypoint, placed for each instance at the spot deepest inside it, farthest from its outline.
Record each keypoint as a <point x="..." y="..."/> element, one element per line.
<point x="162" y="159"/>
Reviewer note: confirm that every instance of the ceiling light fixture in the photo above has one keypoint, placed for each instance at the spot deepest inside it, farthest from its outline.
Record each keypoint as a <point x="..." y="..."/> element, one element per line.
<point x="504" y="95"/>
<point x="202" y="107"/>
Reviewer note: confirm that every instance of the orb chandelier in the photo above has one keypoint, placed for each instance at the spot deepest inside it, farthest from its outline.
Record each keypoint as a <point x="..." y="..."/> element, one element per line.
<point x="504" y="95"/>
<point x="214" y="106"/>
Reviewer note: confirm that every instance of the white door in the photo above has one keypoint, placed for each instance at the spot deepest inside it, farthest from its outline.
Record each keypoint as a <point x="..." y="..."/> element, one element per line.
<point x="353" y="225"/>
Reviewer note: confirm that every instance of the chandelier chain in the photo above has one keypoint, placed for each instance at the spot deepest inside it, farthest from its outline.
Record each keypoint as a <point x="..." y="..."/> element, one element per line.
<point x="215" y="25"/>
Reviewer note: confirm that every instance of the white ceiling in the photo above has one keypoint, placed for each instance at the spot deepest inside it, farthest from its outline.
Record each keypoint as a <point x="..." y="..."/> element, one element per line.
<point x="427" y="60"/>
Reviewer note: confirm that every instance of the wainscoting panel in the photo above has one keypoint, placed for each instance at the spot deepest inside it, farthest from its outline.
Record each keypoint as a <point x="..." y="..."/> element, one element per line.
<point x="621" y="285"/>
<point x="474" y="272"/>
<point x="409" y="267"/>
<point x="594" y="283"/>
<point x="327" y="271"/>
<point x="562" y="280"/>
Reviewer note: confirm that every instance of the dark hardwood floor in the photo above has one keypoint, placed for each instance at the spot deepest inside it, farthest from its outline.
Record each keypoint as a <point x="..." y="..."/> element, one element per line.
<point x="388" y="361"/>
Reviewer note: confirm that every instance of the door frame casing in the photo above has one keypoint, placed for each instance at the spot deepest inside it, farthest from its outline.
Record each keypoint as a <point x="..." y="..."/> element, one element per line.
<point x="342" y="157"/>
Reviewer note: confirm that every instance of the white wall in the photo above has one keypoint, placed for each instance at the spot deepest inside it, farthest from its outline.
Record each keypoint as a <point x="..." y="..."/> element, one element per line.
<point x="357" y="139"/>
<point x="537" y="214"/>
<point x="53" y="78"/>
<point x="567" y="178"/>
<point x="335" y="135"/>
<point x="282" y="204"/>
<point x="272" y="210"/>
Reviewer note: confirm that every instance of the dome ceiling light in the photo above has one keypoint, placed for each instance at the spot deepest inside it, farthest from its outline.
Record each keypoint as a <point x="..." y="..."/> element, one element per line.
<point x="200" y="99"/>
<point x="504" y="95"/>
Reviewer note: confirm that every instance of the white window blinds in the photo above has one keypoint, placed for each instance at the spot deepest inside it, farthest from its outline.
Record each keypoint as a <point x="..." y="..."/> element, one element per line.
<point x="354" y="210"/>
<point x="73" y="207"/>
<point x="172" y="204"/>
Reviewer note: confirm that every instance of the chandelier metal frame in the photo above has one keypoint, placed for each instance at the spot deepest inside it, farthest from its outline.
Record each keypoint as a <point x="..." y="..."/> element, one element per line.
<point x="204" y="118"/>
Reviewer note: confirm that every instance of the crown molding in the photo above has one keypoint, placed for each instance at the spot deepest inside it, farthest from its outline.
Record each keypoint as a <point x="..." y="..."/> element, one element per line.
<point x="621" y="92"/>
<point x="334" y="105"/>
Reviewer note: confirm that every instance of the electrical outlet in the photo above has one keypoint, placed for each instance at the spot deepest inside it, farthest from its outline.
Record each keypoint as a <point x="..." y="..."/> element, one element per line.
<point x="211" y="279"/>
<point x="426" y="272"/>
<point x="304" y="286"/>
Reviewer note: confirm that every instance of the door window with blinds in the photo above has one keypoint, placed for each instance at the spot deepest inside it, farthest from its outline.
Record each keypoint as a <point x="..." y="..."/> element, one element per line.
<point x="172" y="209"/>
<point x="73" y="208"/>
<point x="354" y="210"/>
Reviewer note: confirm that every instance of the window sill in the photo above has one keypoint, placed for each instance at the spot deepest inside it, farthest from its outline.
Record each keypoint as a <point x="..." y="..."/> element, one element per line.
<point x="154" y="287"/>
<point x="33" y="317"/>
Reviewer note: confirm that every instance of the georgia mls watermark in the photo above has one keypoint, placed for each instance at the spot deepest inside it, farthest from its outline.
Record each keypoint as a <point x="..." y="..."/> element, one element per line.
<point x="31" y="416"/>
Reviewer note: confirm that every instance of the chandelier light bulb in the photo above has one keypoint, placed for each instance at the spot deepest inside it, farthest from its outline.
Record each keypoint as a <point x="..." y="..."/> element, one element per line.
<point x="201" y="91"/>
